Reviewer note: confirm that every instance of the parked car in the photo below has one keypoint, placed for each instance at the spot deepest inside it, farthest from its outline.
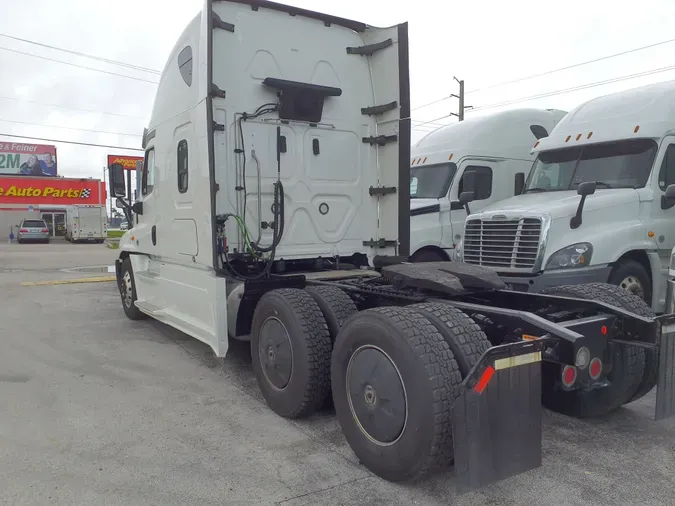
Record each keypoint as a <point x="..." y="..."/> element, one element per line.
<point x="33" y="231"/>
<point x="124" y="225"/>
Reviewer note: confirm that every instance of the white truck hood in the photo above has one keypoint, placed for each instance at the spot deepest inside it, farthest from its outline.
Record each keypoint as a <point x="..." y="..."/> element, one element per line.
<point x="562" y="204"/>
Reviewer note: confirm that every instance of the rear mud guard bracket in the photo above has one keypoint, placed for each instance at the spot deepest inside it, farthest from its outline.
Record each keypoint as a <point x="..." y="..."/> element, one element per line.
<point x="665" y="389"/>
<point x="378" y="191"/>
<point x="377" y="110"/>
<point x="219" y="23"/>
<point x="380" y="243"/>
<point x="380" y="140"/>
<point x="370" y="49"/>
<point x="497" y="419"/>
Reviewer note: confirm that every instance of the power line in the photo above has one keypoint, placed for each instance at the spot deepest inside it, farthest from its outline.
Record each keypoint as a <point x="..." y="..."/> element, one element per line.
<point x="79" y="66"/>
<point x="561" y="92"/>
<point x="575" y="65"/>
<point x="85" y="55"/>
<point x="68" y="128"/>
<point x="69" y="142"/>
<point x="73" y="108"/>
<point x="548" y="72"/>
<point x="580" y="87"/>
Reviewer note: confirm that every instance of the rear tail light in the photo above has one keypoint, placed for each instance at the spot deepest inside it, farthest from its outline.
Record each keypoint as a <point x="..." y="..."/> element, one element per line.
<point x="45" y="230"/>
<point x="569" y="375"/>
<point x="24" y="230"/>
<point x="595" y="368"/>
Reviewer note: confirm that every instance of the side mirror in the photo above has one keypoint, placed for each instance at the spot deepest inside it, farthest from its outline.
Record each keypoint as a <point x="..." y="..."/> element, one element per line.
<point x="670" y="192"/>
<point x="137" y="207"/>
<point x="519" y="183"/>
<point x="668" y="198"/>
<point x="116" y="180"/>
<point x="465" y="198"/>
<point x="586" y="188"/>
<point x="119" y="204"/>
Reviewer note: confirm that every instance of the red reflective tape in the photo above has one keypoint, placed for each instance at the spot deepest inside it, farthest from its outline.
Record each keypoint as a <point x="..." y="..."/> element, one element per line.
<point x="484" y="379"/>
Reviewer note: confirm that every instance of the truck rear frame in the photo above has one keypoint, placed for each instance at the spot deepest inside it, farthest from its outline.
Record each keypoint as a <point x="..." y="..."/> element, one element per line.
<point x="490" y="416"/>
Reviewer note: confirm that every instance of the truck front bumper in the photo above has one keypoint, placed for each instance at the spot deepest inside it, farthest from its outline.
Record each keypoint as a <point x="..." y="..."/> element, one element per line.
<point x="546" y="279"/>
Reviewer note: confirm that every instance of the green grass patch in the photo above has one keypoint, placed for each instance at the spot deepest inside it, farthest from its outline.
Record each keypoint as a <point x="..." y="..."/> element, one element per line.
<point x="115" y="233"/>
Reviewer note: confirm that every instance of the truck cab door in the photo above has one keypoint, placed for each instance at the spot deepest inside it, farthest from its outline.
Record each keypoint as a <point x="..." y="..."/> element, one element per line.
<point x="663" y="211"/>
<point x="484" y="185"/>
<point x="145" y="229"/>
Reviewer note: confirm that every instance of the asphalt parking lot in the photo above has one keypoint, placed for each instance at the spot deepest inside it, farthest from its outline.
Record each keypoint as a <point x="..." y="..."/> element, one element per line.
<point x="97" y="409"/>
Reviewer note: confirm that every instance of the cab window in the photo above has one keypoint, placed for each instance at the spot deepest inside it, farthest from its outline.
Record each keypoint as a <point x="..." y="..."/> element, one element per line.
<point x="667" y="172"/>
<point x="148" y="178"/>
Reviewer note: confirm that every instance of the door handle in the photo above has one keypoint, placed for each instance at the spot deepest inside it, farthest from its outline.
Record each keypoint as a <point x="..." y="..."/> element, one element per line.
<point x="154" y="235"/>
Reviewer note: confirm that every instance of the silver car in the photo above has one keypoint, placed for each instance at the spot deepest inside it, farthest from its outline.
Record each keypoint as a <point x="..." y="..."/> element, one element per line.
<point x="33" y="231"/>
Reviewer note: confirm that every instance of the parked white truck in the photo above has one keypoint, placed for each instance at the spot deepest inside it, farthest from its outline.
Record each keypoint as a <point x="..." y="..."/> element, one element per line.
<point x="594" y="205"/>
<point x="275" y="208"/>
<point x="496" y="149"/>
<point x="86" y="223"/>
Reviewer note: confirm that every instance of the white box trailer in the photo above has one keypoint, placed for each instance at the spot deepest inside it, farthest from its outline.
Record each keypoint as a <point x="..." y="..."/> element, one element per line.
<point x="86" y="224"/>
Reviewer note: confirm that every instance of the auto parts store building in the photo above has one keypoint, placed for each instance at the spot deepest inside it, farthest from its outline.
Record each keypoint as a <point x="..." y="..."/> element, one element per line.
<point x="48" y="198"/>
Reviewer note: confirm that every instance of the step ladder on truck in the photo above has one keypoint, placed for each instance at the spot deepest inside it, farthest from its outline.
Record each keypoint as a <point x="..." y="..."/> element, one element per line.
<point x="276" y="210"/>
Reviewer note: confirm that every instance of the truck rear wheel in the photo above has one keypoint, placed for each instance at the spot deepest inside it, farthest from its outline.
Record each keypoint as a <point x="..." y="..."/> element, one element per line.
<point x="464" y="337"/>
<point x="335" y="305"/>
<point x="627" y="364"/>
<point x="291" y="352"/>
<point x="127" y="287"/>
<point x="394" y="382"/>
<point x="619" y="297"/>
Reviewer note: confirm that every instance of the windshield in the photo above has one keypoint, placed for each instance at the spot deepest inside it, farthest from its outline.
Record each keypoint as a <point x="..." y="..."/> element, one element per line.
<point x="34" y="224"/>
<point x="431" y="181"/>
<point x="622" y="164"/>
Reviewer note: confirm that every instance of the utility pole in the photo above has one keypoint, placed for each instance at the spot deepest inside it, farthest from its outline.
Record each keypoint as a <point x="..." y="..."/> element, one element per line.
<point x="460" y="113"/>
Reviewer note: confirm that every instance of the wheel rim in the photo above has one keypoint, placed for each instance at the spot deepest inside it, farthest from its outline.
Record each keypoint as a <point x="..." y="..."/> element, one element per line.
<point x="632" y="284"/>
<point x="377" y="396"/>
<point x="126" y="289"/>
<point x="275" y="353"/>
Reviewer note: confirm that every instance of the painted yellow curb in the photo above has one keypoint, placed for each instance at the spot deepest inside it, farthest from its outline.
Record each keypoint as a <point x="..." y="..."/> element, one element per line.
<point x="100" y="279"/>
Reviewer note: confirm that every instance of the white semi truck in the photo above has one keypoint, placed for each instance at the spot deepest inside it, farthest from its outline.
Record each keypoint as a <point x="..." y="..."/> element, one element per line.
<point x="86" y="223"/>
<point x="594" y="207"/>
<point x="274" y="208"/>
<point x="496" y="150"/>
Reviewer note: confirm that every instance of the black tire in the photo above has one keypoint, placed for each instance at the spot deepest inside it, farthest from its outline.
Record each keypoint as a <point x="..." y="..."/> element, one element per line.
<point x="464" y="337"/>
<point x="429" y="256"/>
<point x="127" y="288"/>
<point x="335" y="305"/>
<point x="628" y="367"/>
<point x="289" y="337"/>
<point x="619" y="297"/>
<point x="629" y="274"/>
<point x="417" y="375"/>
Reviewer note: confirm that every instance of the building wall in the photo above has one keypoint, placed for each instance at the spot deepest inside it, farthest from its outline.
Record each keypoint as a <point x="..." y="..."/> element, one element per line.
<point x="10" y="218"/>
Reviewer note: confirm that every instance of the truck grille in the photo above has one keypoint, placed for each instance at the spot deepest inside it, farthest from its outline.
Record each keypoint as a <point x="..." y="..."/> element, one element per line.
<point x="511" y="244"/>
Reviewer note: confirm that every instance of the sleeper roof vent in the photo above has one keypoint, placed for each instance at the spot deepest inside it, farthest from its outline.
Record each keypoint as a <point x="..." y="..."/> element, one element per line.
<point x="301" y="101"/>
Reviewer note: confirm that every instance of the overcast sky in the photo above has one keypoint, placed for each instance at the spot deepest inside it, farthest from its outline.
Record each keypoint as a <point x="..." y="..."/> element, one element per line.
<point x="483" y="42"/>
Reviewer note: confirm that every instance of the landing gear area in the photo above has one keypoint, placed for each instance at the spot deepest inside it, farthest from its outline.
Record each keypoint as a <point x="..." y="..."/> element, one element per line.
<point x="436" y="364"/>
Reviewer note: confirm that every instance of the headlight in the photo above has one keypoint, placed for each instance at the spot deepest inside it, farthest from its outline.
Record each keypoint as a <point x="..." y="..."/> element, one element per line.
<point x="576" y="255"/>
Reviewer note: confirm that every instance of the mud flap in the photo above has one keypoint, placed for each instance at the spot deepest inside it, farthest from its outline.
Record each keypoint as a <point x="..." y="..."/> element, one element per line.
<point x="665" y="386"/>
<point x="497" y="418"/>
